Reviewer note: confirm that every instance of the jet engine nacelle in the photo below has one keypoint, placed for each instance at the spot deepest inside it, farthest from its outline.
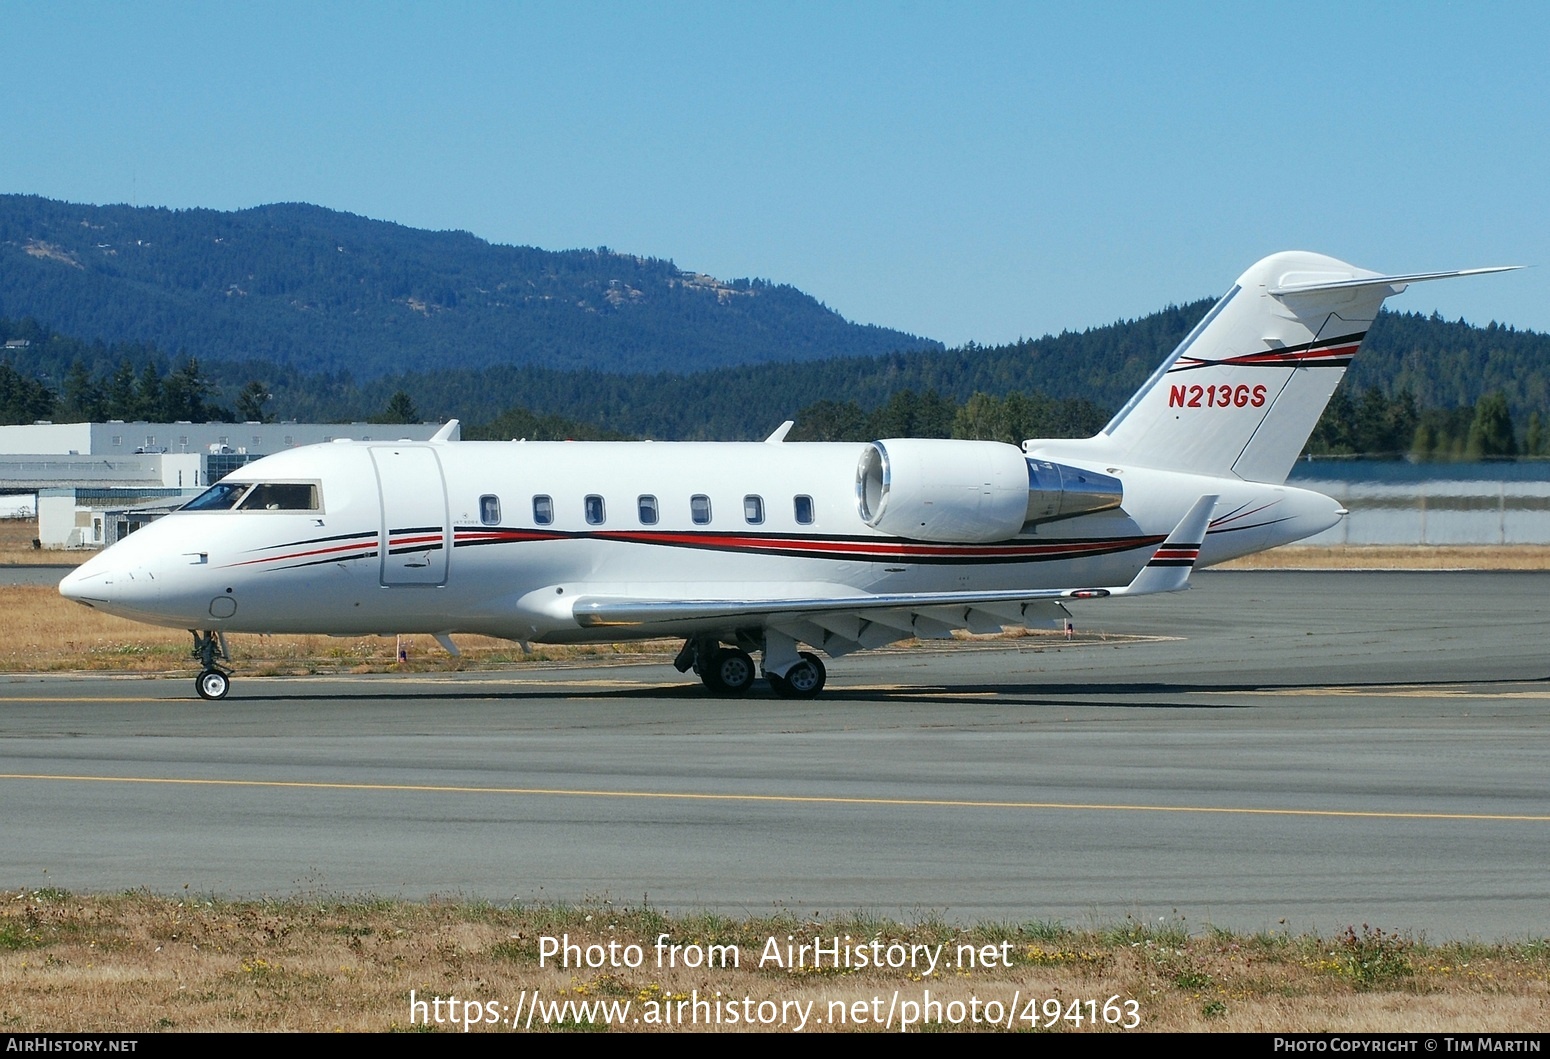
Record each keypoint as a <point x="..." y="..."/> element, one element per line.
<point x="970" y="492"/>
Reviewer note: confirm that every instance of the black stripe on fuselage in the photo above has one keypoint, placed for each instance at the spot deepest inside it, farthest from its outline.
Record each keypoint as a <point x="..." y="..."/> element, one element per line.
<point x="856" y="548"/>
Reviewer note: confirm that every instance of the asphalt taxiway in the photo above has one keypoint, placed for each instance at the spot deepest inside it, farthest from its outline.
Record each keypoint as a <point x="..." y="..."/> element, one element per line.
<point x="1321" y="749"/>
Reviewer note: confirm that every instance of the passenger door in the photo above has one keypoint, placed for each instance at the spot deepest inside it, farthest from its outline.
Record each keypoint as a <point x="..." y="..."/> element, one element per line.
<point x="413" y="539"/>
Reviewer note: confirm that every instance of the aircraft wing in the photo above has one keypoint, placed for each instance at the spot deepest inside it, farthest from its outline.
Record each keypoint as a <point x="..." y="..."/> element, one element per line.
<point x="840" y="624"/>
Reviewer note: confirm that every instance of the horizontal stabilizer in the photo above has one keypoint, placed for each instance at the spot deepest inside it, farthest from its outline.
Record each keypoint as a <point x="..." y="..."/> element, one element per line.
<point x="1397" y="282"/>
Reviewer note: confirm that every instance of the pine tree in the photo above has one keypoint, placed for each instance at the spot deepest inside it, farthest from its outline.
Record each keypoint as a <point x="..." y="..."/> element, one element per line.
<point x="250" y="403"/>
<point x="1491" y="432"/>
<point x="400" y="409"/>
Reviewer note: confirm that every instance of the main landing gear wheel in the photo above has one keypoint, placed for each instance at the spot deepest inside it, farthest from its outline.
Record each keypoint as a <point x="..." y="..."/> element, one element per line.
<point x="803" y="680"/>
<point x="729" y="672"/>
<point x="212" y="684"/>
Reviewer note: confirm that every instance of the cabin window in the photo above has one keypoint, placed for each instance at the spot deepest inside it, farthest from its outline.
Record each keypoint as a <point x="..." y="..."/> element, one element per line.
<point x="753" y="509"/>
<point x="699" y="509"/>
<point x="804" y="510"/>
<point x="594" y="508"/>
<point x="490" y="510"/>
<point x="647" y="506"/>
<point x="543" y="510"/>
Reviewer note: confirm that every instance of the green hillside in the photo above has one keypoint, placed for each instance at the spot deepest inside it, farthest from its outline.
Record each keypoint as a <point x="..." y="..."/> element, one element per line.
<point x="322" y="291"/>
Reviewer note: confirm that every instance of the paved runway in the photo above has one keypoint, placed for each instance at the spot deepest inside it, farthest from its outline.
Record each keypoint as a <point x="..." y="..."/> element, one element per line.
<point x="1324" y="749"/>
<point x="12" y="574"/>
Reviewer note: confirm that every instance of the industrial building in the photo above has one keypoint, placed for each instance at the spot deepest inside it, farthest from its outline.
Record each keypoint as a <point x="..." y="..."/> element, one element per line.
<point x="95" y="482"/>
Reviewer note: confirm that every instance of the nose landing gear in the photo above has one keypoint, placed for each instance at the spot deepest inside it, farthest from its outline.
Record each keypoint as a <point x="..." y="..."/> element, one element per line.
<point x="213" y="681"/>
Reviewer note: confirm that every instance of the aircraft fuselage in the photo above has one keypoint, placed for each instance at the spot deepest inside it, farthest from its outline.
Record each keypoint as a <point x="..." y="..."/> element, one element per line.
<point x="501" y="538"/>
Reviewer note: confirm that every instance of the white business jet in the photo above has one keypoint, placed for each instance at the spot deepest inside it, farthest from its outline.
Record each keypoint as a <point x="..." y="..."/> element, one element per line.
<point x="760" y="548"/>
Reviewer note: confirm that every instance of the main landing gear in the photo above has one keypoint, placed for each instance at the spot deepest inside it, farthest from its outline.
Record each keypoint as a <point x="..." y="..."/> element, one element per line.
<point x="213" y="681"/>
<point x="729" y="671"/>
<point x="803" y="680"/>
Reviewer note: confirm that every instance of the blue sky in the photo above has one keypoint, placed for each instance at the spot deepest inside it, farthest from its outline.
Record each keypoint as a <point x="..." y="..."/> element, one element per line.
<point x="963" y="171"/>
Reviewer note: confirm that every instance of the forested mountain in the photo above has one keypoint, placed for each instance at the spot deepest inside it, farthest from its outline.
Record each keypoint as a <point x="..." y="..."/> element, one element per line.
<point x="308" y="288"/>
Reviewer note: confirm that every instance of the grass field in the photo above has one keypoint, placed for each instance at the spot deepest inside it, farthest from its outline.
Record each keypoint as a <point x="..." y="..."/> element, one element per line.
<point x="47" y="633"/>
<point x="138" y="962"/>
<point x="1397" y="557"/>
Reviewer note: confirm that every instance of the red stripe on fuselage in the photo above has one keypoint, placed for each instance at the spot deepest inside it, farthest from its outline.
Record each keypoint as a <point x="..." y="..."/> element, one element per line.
<point x="372" y="544"/>
<point x="870" y="550"/>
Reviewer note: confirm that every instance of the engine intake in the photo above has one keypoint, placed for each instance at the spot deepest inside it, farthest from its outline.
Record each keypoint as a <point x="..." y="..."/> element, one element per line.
<point x="970" y="492"/>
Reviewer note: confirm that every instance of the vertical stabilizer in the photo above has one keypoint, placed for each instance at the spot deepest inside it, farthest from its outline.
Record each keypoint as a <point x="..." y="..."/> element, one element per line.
<point x="1242" y="393"/>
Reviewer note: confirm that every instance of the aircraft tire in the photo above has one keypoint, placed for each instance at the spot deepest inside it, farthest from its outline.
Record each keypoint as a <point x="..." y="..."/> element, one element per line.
<point x="803" y="680"/>
<point x="730" y="672"/>
<point x="212" y="684"/>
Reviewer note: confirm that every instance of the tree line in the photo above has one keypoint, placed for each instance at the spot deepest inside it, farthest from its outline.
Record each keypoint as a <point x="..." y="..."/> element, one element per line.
<point x="51" y="376"/>
<point x="1392" y="426"/>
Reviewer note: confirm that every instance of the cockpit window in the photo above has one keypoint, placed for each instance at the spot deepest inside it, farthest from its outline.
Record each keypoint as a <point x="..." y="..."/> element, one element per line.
<point x="222" y="496"/>
<point x="281" y="496"/>
<point x="262" y="496"/>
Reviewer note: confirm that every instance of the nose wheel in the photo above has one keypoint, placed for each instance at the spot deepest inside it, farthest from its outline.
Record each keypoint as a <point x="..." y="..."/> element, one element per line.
<point x="213" y="682"/>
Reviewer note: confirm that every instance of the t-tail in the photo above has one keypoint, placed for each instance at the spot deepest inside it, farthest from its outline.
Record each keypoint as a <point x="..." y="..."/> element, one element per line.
<point x="1242" y="393"/>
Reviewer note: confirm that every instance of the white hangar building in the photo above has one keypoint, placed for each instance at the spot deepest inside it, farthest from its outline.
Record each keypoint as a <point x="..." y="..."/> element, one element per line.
<point x="96" y="482"/>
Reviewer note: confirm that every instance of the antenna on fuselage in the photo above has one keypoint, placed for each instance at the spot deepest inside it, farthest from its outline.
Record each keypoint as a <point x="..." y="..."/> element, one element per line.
<point x="780" y="433"/>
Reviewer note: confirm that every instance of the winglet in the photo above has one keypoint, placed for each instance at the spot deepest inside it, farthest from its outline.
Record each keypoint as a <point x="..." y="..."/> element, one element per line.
<point x="449" y="432"/>
<point x="780" y="433"/>
<point x="1171" y="564"/>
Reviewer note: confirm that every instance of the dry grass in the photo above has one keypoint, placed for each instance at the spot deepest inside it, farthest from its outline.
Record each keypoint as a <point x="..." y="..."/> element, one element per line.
<point x="137" y="962"/>
<point x="1398" y="557"/>
<point x="47" y="633"/>
<point x="16" y="537"/>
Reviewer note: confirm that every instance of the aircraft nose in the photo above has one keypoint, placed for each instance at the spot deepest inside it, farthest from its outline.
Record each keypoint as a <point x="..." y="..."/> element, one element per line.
<point x="75" y="585"/>
<point x="98" y="584"/>
<point x="92" y="580"/>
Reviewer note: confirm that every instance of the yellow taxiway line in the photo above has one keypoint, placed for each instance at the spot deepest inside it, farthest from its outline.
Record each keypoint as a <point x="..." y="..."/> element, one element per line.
<point x="786" y="799"/>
